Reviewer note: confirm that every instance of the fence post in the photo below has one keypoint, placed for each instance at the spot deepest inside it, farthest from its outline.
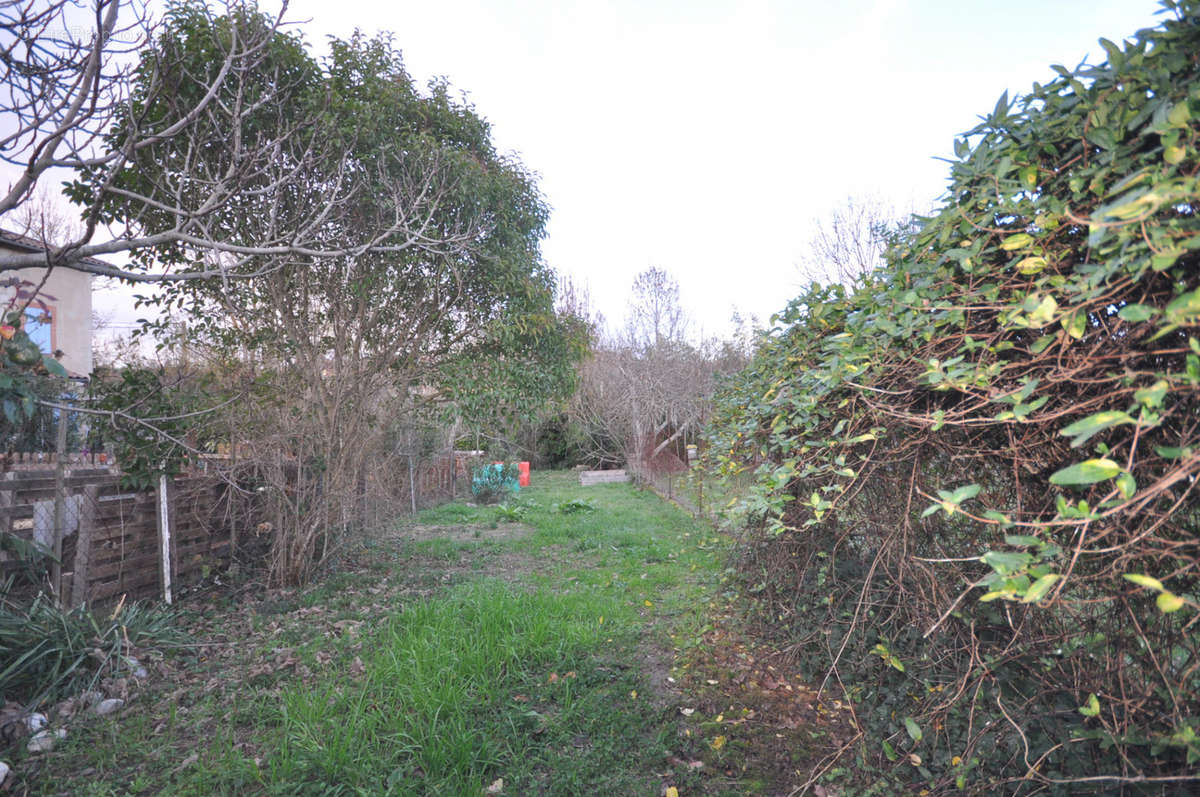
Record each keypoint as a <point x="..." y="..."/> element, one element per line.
<point x="412" y="485"/>
<point x="83" y="545"/>
<point x="164" y="533"/>
<point x="6" y="502"/>
<point x="60" y="508"/>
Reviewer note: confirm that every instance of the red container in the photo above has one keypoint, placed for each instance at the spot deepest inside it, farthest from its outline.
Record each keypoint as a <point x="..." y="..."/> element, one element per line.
<point x="523" y="474"/>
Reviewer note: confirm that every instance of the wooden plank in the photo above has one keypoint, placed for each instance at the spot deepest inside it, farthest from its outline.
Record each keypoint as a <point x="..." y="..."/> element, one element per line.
<point x="83" y="546"/>
<point x="588" y="478"/>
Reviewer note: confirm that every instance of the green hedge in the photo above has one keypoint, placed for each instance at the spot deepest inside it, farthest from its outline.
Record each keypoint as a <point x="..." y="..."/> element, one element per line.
<point x="975" y="496"/>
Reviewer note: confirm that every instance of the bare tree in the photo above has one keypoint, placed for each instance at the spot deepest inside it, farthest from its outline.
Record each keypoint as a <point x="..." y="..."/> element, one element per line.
<point x="45" y="217"/>
<point x="656" y="318"/>
<point x="849" y="244"/>
<point x="642" y="393"/>
<point x="168" y="153"/>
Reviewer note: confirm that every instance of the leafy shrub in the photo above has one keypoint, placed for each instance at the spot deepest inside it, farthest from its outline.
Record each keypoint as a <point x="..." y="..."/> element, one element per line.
<point x="493" y="483"/>
<point x="511" y="513"/>
<point x="975" y="476"/>
<point x="575" y="506"/>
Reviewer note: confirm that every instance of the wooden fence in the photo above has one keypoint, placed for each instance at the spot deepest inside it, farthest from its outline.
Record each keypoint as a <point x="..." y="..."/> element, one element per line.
<point x="111" y="542"/>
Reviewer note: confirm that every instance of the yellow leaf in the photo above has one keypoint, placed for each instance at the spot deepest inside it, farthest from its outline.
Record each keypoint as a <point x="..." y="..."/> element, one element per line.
<point x="1169" y="602"/>
<point x="720" y="718"/>
<point x="718" y="743"/>
<point x="648" y="603"/>
<point x="955" y="761"/>
<point x="915" y="759"/>
<point x="671" y="792"/>
<point x="633" y="695"/>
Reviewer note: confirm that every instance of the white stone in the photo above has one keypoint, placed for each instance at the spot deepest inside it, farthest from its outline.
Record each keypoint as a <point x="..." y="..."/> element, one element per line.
<point x="136" y="668"/>
<point x="4" y="770"/>
<point x="35" y="722"/>
<point x="108" y="706"/>
<point x="44" y="741"/>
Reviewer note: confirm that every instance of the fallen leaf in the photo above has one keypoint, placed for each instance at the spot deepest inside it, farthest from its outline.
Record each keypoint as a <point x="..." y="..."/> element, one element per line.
<point x="187" y="762"/>
<point x="496" y="787"/>
<point x="687" y="712"/>
<point x="671" y="792"/>
<point x="717" y="743"/>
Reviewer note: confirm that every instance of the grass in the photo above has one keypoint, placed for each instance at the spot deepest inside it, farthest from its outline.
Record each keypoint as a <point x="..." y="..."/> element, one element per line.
<point x="454" y="654"/>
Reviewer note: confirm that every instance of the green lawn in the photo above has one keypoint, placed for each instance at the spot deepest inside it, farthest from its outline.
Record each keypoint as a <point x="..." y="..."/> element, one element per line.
<point x="531" y="644"/>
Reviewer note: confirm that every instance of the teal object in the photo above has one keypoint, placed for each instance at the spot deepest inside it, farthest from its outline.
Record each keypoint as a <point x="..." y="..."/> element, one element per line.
<point x="495" y="479"/>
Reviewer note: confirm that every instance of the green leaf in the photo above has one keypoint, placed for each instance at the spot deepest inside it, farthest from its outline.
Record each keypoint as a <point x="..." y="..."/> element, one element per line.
<point x="1087" y="472"/>
<point x="54" y="367"/>
<point x="889" y="751"/>
<point x="1091" y="706"/>
<point x="1127" y="485"/>
<point x="1075" y="324"/>
<point x="914" y="730"/>
<point x="1031" y="265"/>
<point x="1022" y="539"/>
<point x="1043" y="314"/>
<point x="1168" y="602"/>
<point x="1004" y="562"/>
<point x="1152" y="396"/>
<point x="1145" y="581"/>
<point x="1041" y="344"/>
<point x="1083" y="429"/>
<point x="963" y="493"/>
<point x="1039" y="588"/>
<point x="1136" y="313"/>
<point x="1019" y="241"/>
<point x="1185" y="309"/>
<point x="1174" y="155"/>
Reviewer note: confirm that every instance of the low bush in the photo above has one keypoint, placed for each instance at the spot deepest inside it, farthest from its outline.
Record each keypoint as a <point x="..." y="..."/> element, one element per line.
<point x="47" y="652"/>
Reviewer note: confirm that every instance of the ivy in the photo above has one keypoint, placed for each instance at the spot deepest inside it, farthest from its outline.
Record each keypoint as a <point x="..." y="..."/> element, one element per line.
<point x="1024" y="369"/>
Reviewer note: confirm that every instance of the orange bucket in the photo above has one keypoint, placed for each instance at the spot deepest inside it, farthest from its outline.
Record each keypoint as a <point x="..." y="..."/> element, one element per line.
<point x="523" y="474"/>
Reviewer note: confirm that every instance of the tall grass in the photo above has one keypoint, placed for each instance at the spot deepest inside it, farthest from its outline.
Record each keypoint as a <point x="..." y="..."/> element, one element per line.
<point x="450" y="696"/>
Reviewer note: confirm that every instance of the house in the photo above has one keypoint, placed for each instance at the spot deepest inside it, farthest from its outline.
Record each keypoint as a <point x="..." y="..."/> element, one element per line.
<point x="59" y="315"/>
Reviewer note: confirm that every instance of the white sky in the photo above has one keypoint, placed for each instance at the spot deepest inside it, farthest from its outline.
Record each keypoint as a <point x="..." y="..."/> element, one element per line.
<point x="704" y="137"/>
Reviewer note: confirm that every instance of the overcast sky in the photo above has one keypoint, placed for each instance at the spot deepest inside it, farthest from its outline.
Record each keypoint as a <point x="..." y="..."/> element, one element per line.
<point x="704" y="137"/>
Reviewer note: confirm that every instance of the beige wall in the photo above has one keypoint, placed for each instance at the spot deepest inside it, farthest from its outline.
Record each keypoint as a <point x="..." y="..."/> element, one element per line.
<point x="67" y="295"/>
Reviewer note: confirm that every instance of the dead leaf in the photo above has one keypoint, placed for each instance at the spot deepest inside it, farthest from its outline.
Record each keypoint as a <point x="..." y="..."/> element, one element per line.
<point x="187" y="762"/>
<point x="497" y="786"/>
